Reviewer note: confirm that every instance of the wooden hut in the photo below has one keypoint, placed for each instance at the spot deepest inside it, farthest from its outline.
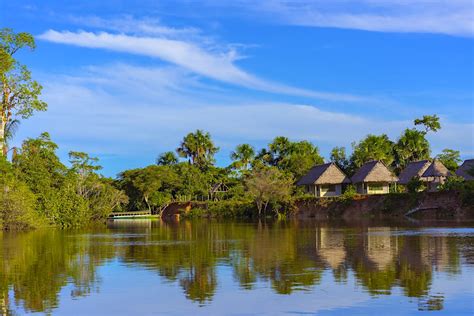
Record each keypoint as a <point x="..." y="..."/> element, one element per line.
<point x="413" y="170"/>
<point x="373" y="178"/>
<point x="217" y="191"/>
<point x="466" y="170"/>
<point x="435" y="175"/>
<point x="324" y="180"/>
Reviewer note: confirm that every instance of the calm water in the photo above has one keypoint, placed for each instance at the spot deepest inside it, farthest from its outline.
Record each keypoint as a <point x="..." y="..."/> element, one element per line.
<point x="145" y="267"/>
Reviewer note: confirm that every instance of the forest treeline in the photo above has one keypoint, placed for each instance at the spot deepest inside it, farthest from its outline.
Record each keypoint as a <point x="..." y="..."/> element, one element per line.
<point x="36" y="188"/>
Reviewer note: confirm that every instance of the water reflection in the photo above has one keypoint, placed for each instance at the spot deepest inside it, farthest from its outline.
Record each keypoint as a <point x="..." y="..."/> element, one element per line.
<point x="289" y="257"/>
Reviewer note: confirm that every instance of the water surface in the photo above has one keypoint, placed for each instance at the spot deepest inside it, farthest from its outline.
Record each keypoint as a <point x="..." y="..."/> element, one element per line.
<point x="145" y="267"/>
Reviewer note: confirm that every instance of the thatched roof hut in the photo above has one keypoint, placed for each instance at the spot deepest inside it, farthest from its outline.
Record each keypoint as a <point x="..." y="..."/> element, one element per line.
<point x="436" y="170"/>
<point x="374" y="171"/>
<point x="328" y="173"/>
<point x="413" y="169"/>
<point x="466" y="170"/>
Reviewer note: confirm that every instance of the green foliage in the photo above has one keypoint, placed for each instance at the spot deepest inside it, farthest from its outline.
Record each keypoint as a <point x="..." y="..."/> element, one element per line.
<point x="349" y="193"/>
<point x="17" y="202"/>
<point x="199" y="148"/>
<point x="411" y="146"/>
<point x="373" y="147"/>
<point x="242" y="156"/>
<point x="430" y="123"/>
<point x="268" y="186"/>
<point x="167" y="159"/>
<point x="295" y="158"/>
<point x="415" y="185"/>
<point x="450" y="159"/>
<point x="338" y="156"/>
<point x="452" y="183"/>
<point x="19" y="92"/>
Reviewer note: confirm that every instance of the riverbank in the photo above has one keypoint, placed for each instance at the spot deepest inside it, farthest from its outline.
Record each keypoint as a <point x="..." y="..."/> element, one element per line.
<point x="426" y="205"/>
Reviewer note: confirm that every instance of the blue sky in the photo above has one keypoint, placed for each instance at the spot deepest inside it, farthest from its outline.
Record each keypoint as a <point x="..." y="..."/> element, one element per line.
<point x="126" y="80"/>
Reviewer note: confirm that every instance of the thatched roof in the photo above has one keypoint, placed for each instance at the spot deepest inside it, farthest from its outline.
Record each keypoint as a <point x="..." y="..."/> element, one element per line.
<point x="328" y="173"/>
<point x="412" y="170"/>
<point x="436" y="169"/>
<point x="374" y="171"/>
<point x="465" y="168"/>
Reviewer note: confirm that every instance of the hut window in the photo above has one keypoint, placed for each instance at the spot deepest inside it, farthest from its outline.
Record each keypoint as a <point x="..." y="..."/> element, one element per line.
<point x="329" y="188"/>
<point x="376" y="187"/>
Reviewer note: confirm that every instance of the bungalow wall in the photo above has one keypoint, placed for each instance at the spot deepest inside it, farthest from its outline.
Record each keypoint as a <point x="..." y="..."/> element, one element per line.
<point x="324" y="190"/>
<point x="373" y="188"/>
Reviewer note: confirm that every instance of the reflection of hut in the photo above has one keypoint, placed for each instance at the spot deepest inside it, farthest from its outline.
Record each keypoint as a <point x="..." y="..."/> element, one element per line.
<point x="435" y="175"/>
<point x="330" y="246"/>
<point x="381" y="247"/>
<point x="413" y="170"/>
<point x="324" y="180"/>
<point x="466" y="170"/>
<point x="217" y="191"/>
<point x="373" y="178"/>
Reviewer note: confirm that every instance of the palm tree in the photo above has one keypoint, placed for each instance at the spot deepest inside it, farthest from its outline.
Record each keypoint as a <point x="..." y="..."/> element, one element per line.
<point x="167" y="159"/>
<point x="198" y="148"/>
<point x="243" y="156"/>
<point x="373" y="147"/>
<point x="411" y="146"/>
<point x="10" y="130"/>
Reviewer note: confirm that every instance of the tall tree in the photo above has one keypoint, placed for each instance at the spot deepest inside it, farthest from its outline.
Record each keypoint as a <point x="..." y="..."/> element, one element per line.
<point x="373" y="147"/>
<point x="450" y="159"/>
<point x="411" y="146"/>
<point x="167" y="158"/>
<point x="199" y="148"/>
<point x="300" y="158"/>
<point x="430" y="122"/>
<point x="243" y="156"/>
<point x="338" y="156"/>
<point x="19" y="92"/>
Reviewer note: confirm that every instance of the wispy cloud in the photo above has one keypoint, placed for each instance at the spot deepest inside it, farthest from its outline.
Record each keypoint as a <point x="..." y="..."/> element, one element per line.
<point x="92" y="111"/>
<point x="218" y="65"/>
<point x="451" y="17"/>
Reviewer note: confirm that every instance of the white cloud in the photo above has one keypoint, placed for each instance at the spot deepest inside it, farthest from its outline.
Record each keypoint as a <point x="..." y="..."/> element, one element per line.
<point x="451" y="17"/>
<point x="93" y="111"/>
<point x="216" y="65"/>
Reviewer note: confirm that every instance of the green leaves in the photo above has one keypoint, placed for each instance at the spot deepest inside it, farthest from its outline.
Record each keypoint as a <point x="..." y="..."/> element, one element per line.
<point x="19" y="92"/>
<point x="430" y="122"/>
<point x="199" y="148"/>
<point x="373" y="147"/>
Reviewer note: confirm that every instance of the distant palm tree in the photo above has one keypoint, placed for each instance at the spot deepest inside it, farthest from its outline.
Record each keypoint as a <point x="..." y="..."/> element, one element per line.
<point x="167" y="159"/>
<point x="198" y="148"/>
<point x="243" y="156"/>
<point x="411" y="146"/>
<point x="10" y="130"/>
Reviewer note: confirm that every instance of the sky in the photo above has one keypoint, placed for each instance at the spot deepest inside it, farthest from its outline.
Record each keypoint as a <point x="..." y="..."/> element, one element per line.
<point x="126" y="80"/>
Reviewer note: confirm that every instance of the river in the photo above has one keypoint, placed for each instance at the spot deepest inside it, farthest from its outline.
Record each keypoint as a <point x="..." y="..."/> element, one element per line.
<point x="203" y="267"/>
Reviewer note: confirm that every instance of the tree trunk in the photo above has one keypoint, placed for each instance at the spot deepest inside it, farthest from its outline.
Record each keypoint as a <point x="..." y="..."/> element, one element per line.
<point x="3" y="124"/>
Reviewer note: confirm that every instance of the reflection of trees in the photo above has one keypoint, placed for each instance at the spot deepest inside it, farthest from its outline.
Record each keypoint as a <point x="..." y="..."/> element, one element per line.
<point x="38" y="264"/>
<point x="288" y="255"/>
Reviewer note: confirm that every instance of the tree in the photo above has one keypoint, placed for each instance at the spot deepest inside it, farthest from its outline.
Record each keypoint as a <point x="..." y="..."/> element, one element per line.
<point x="450" y="159"/>
<point x="10" y="131"/>
<point x="301" y="157"/>
<point x="430" y="122"/>
<point x="411" y="146"/>
<point x="198" y="148"/>
<point x="294" y="157"/>
<point x="243" y="156"/>
<point x="84" y="166"/>
<point x="373" y="147"/>
<point x="167" y="159"/>
<point x="19" y="93"/>
<point x="268" y="186"/>
<point x="338" y="156"/>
